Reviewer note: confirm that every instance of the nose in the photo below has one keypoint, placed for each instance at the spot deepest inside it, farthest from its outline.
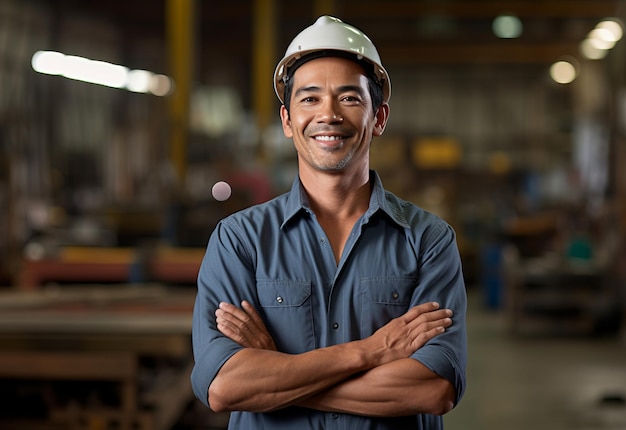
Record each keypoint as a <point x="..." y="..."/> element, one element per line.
<point x="329" y="113"/>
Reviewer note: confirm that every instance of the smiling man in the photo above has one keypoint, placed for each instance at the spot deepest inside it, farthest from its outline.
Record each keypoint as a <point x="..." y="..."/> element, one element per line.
<point x="336" y="305"/>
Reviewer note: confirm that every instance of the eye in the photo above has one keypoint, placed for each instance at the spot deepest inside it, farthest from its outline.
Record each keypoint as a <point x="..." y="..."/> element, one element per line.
<point x="308" y="99"/>
<point x="351" y="99"/>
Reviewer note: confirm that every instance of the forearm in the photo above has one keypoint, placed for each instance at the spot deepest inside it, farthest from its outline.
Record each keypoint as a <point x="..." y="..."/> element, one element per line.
<point x="261" y="380"/>
<point x="258" y="378"/>
<point x="402" y="387"/>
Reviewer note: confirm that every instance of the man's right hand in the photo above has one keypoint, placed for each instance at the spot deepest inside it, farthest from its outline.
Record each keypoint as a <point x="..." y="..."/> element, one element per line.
<point x="244" y="326"/>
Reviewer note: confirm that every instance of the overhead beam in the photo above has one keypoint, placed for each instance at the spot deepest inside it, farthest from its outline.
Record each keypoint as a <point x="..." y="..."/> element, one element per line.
<point x="364" y="9"/>
<point x="482" y="8"/>
<point x="491" y="53"/>
<point x="496" y="52"/>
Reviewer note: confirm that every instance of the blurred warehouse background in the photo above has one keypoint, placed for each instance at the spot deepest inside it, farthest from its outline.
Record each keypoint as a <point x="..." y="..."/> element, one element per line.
<point x="117" y="118"/>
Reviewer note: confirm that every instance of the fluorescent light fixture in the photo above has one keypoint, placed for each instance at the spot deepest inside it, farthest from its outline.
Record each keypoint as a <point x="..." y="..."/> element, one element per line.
<point x="48" y="62"/>
<point x="139" y="81"/>
<point x="100" y="73"/>
<point x="94" y="72"/>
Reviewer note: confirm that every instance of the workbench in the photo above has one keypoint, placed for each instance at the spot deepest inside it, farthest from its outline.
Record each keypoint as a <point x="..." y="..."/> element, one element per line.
<point x="76" y="264"/>
<point x="133" y="338"/>
<point x="555" y="297"/>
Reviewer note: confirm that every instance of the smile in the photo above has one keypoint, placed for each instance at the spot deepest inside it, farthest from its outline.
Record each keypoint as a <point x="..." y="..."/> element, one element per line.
<point x="328" y="138"/>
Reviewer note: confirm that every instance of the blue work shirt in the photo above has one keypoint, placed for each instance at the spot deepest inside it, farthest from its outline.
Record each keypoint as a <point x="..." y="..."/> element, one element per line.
<point x="277" y="256"/>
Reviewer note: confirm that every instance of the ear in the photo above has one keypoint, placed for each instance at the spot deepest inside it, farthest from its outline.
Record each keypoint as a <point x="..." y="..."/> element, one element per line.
<point x="381" y="119"/>
<point x="285" y="121"/>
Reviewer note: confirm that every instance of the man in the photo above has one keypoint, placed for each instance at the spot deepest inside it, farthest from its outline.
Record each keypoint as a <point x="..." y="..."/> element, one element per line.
<point x="335" y="305"/>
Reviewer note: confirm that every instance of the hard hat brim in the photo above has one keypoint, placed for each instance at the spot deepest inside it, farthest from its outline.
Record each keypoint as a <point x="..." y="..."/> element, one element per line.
<point x="331" y="36"/>
<point x="284" y="69"/>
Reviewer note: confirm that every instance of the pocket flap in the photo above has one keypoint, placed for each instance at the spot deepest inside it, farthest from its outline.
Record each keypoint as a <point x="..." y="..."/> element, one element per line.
<point x="281" y="293"/>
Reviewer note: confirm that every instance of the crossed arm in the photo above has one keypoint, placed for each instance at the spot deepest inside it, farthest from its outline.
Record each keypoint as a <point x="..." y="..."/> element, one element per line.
<point x="373" y="376"/>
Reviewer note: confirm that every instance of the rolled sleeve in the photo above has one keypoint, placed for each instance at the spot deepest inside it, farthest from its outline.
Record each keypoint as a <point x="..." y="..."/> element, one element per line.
<point x="223" y="266"/>
<point x="441" y="280"/>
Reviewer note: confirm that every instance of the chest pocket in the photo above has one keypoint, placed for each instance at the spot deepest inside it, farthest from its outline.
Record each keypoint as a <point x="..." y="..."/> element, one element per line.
<point x="286" y="309"/>
<point x="384" y="299"/>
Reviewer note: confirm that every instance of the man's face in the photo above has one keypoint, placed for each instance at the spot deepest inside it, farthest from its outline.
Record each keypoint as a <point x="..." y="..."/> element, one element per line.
<point x="331" y="119"/>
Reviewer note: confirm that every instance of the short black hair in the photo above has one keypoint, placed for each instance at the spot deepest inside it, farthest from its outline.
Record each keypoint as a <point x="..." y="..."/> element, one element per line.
<point x="374" y="86"/>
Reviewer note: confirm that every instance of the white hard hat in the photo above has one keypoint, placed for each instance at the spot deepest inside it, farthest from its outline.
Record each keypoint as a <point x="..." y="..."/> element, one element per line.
<point x="330" y="34"/>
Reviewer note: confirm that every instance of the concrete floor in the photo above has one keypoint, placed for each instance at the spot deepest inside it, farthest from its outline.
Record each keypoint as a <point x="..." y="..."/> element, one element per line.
<point x="538" y="383"/>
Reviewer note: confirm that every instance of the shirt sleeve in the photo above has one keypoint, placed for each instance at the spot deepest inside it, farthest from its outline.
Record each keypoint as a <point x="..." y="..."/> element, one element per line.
<point x="225" y="276"/>
<point x="441" y="280"/>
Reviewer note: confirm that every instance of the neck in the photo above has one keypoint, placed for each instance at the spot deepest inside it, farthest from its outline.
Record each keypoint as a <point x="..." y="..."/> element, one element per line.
<point x="338" y="201"/>
<point x="337" y="196"/>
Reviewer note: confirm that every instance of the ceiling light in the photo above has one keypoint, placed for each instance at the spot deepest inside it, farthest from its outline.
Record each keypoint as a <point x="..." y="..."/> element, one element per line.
<point x="612" y="27"/>
<point x="590" y="51"/>
<point x="601" y="38"/>
<point x="563" y="72"/>
<point x="161" y="85"/>
<point x="100" y="73"/>
<point x="507" y="27"/>
<point x="139" y="81"/>
<point x="94" y="72"/>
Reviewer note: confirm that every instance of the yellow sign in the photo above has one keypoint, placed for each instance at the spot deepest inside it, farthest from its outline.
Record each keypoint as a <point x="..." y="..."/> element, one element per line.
<point x="436" y="153"/>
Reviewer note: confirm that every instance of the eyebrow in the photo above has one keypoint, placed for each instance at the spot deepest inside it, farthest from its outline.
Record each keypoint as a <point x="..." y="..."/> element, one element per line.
<point x="311" y="89"/>
<point x="342" y="89"/>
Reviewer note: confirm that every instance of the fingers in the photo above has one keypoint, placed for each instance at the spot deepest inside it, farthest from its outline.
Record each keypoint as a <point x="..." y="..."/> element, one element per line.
<point x="427" y="321"/>
<point x="245" y="318"/>
<point x="231" y="316"/>
<point x="243" y="326"/>
<point x="430" y="329"/>
<point x="253" y="314"/>
<point x="427" y="313"/>
<point x="406" y="334"/>
<point x="231" y="322"/>
<point x="401" y="337"/>
<point x="423" y="309"/>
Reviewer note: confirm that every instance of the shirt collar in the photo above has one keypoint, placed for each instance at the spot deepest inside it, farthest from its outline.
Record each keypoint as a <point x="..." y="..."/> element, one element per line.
<point x="385" y="201"/>
<point x="380" y="199"/>
<point x="297" y="201"/>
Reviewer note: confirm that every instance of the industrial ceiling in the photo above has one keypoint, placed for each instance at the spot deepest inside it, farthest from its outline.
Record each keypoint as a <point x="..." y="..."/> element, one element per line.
<point x="406" y="31"/>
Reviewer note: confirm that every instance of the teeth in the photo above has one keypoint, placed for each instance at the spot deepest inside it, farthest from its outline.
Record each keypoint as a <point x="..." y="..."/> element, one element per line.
<point x="328" y="138"/>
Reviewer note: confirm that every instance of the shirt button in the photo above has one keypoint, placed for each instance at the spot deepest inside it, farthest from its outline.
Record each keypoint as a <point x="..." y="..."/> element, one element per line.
<point x="335" y="326"/>
<point x="322" y="240"/>
<point x="334" y="416"/>
<point x="279" y="299"/>
<point x="395" y="295"/>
